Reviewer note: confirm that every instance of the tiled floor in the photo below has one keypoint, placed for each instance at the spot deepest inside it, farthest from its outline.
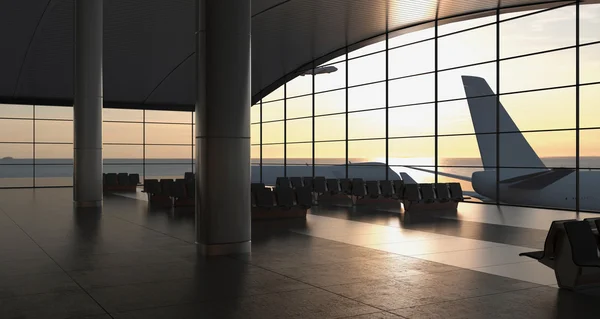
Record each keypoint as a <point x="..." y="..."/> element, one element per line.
<point x="132" y="261"/>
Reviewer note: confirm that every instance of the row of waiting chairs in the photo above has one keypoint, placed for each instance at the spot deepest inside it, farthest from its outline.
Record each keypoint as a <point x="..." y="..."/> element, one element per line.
<point x="179" y="192"/>
<point x="581" y="267"/>
<point x="265" y="197"/>
<point x="120" y="181"/>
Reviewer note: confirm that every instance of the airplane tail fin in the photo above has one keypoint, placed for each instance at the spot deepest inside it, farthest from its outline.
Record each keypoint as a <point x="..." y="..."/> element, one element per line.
<point x="515" y="151"/>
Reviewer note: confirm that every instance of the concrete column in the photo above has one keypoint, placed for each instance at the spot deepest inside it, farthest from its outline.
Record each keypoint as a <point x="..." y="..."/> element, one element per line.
<point x="87" y="108"/>
<point x="223" y="127"/>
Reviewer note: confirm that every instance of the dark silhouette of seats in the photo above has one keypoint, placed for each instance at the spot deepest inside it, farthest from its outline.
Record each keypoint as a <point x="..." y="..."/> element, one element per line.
<point x="123" y="179"/>
<point x="456" y="192"/>
<point x="346" y="186"/>
<point x="178" y="190"/>
<point x="333" y="186"/>
<point x="320" y="185"/>
<point x="387" y="189"/>
<point x="282" y="182"/>
<point x="296" y="182"/>
<point x="284" y="197"/>
<point x="411" y="193"/>
<point x="304" y="197"/>
<point x="308" y="182"/>
<point x="134" y="179"/>
<point x="152" y="187"/>
<point x="442" y="192"/>
<point x="549" y="242"/>
<point x="584" y="248"/>
<point x="190" y="187"/>
<point x="189" y="176"/>
<point x="111" y="179"/>
<point x="264" y="198"/>
<point x="358" y="187"/>
<point x="373" y="190"/>
<point x="427" y="193"/>
<point x="399" y="189"/>
<point x="256" y="186"/>
<point x="166" y="186"/>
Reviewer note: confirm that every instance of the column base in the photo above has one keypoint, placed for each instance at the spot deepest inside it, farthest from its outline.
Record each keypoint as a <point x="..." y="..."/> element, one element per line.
<point x="224" y="249"/>
<point x="85" y="204"/>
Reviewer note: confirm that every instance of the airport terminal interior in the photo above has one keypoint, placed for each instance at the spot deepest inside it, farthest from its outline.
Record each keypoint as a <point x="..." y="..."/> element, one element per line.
<point x="299" y="159"/>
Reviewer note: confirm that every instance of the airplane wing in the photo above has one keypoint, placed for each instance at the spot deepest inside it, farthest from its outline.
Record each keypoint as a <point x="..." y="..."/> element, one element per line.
<point x="537" y="181"/>
<point x="460" y="177"/>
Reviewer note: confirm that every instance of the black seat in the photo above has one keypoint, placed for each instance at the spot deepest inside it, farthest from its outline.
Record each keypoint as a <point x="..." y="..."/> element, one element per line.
<point x="399" y="189"/>
<point x="548" y="243"/>
<point x="583" y="244"/>
<point x="304" y="197"/>
<point x="178" y="189"/>
<point x="373" y="189"/>
<point x="456" y="192"/>
<point x="387" y="189"/>
<point x="134" y="179"/>
<point x="189" y="176"/>
<point x="264" y="198"/>
<point x="123" y="179"/>
<point x="308" y="182"/>
<point x="427" y="193"/>
<point x="296" y="182"/>
<point x="411" y="193"/>
<point x="346" y="186"/>
<point x="111" y="179"/>
<point x="166" y="187"/>
<point x="319" y="185"/>
<point x="443" y="192"/>
<point x="285" y="197"/>
<point x="190" y="188"/>
<point x="333" y="186"/>
<point x="358" y="187"/>
<point x="256" y="186"/>
<point x="282" y="182"/>
<point x="152" y="186"/>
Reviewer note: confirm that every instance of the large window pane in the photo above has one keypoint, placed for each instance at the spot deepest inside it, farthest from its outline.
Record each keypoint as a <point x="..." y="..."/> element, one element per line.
<point x="589" y="63"/>
<point x="555" y="195"/>
<point x="548" y="109"/>
<point x="412" y="90"/>
<point x="328" y="128"/>
<point x="275" y="95"/>
<point x="169" y="116"/>
<point x="255" y="113"/>
<point x="255" y="154"/>
<point x="366" y="97"/>
<point x="330" y="153"/>
<point x="538" y="71"/>
<point x="416" y="120"/>
<point x="299" y="154"/>
<point x="451" y="83"/>
<point x="16" y="111"/>
<point x="272" y="132"/>
<point x="463" y="150"/>
<point x="53" y="112"/>
<point x="369" y="124"/>
<point x="273" y="154"/>
<point x="366" y="69"/>
<point x="551" y="149"/>
<point x="122" y="115"/>
<point x="122" y="133"/>
<point x="538" y="32"/>
<point x="301" y="85"/>
<point x="273" y="111"/>
<point x="53" y="175"/>
<point x="453" y="25"/>
<point x="412" y="59"/>
<point x="331" y="81"/>
<point x="123" y="153"/>
<point x="589" y="148"/>
<point x="54" y="153"/>
<point x="367" y="47"/>
<point x="454" y="117"/>
<point x="255" y="134"/>
<point x="169" y="134"/>
<point x="330" y="102"/>
<point x="16" y="176"/>
<point x="299" y="130"/>
<point x="589" y="106"/>
<point x="418" y="174"/>
<point x="368" y="172"/>
<point x="468" y="47"/>
<point x="168" y="152"/>
<point x="589" y="23"/>
<point x="16" y="153"/>
<point x="54" y="131"/>
<point x="366" y="151"/>
<point x="412" y="151"/>
<point x="299" y="107"/>
<point x="449" y="174"/>
<point x="171" y="171"/>
<point x="410" y="35"/>
<point x="16" y="130"/>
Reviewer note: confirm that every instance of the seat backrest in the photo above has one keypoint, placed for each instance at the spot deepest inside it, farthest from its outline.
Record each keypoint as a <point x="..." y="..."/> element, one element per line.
<point x="188" y="176"/>
<point x="319" y="185"/>
<point x="597" y="221"/>
<point x="190" y="188"/>
<point x="308" y="182"/>
<point x="304" y="197"/>
<point x="443" y="192"/>
<point x="296" y="182"/>
<point x="282" y="182"/>
<point x="178" y="189"/>
<point x="550" y="242"/>
<point x="284" y="196"/>
<point x="387" y="188"/>
<point x="166" y="187"/>
<point x="456" y="191"/>
<point x="427" y="192"/>
<point x="151" y="186"/>
<point x="346" y="186"/>
<point x="373" y="188"/>
<point x="333" y="185"/>
<point x="264" y="198"/>
<point x="134" y="179"/>
<point x="411" y="192"/>
<point x="123" y="179"/>
<point x="111" y="179"/>
<point x="358" y="187"/>
<point x="256" y="186"/>
<point x="399" y="188"/>
<point x="583" y="242"/>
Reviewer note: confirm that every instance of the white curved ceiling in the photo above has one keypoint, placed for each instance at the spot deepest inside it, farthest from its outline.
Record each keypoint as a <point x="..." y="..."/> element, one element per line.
<point x="149" y="44"/>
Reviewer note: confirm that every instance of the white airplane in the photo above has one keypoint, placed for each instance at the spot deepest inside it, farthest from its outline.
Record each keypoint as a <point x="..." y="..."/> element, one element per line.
<point x="320" y="70"/>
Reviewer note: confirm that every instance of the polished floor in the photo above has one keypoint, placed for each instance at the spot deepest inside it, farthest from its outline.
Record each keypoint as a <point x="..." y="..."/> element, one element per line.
<point x="132" y="261"/>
